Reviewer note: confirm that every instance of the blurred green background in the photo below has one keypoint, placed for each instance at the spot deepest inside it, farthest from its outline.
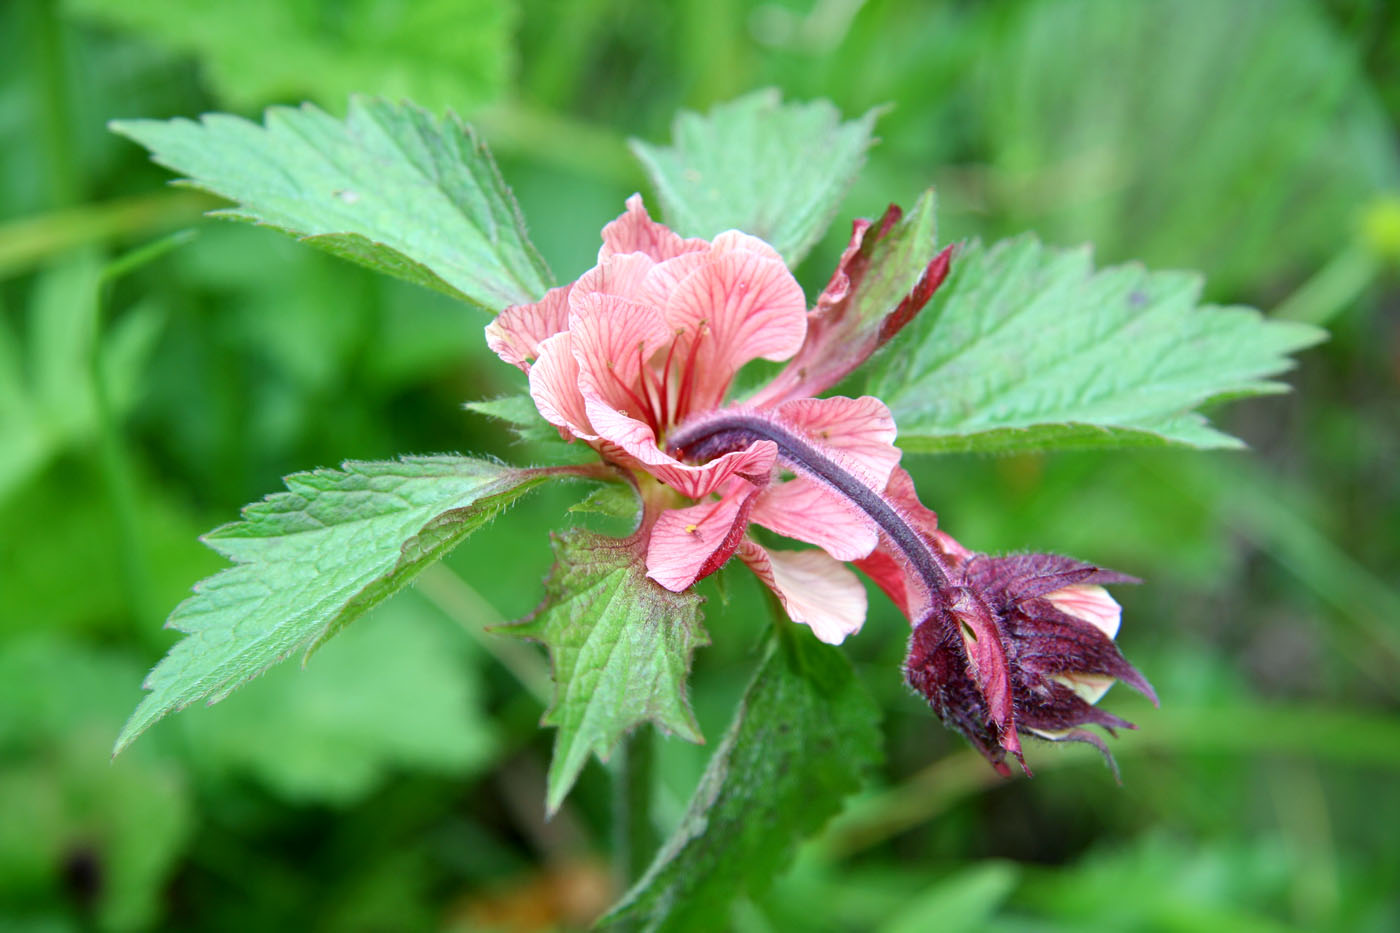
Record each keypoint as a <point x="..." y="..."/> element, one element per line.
<point x="159" y="370"/>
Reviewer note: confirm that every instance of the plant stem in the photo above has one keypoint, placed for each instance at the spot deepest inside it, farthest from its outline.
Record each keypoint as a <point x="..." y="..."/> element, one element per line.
<point x="634" y="836"/>
<point x="30" y="240"/>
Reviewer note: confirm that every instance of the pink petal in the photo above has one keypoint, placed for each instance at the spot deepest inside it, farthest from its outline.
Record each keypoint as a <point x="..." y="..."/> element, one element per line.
<point x="613" y="340"/>
<point x="754" y="463"/>
<point x="517" y="332"/>
<point x="554" y="387"/>
<point x="636" y="232"/>
<point x="733" y="240"/>
<point x="735" y="308"/>
<point x="663" y="278"/>
<point x="839" y="286"/>
<point x="816" y="590"/>
<point x="862" y="430"/>
<point x="691" y="543"/>
<point x="622" y="275"/>
<point x="808" y="510"/>
<point x="1090" y="602"/>
<point x="800" y="377"/>
<point x="891" y="577"/>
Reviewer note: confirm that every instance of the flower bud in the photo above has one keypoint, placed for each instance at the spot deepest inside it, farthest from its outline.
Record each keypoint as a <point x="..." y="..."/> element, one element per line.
<point x="1023" y="644"/>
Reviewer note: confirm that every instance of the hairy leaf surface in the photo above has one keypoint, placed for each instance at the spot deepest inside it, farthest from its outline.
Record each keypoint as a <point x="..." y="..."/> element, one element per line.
<point x="310" y="560"/>
<point x="755" y="164"/>
<point x="621" y="646"/>
<point x="1027" y="347"/>
<point x="390" y="187"/>
<point x="803" y="737"/>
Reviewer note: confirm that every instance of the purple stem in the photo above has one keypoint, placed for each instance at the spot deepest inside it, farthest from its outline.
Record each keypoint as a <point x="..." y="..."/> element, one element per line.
<point x="714" y="435"/>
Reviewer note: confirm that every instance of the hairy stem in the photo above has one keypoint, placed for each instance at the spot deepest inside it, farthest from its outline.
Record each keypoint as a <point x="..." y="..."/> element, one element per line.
<point x="729" y="431"/>
<point x="634" y="837"/>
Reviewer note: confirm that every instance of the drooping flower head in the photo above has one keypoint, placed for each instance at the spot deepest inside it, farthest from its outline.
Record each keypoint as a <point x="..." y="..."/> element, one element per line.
<point x="637" y="358"/>
<point x="1024" y="647"/>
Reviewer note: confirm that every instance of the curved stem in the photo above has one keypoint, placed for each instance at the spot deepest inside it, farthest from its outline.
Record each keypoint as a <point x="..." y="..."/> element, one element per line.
<point x="728" y="431"/>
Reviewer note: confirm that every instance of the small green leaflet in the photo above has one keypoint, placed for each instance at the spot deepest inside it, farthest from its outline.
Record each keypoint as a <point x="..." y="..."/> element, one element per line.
<point x="778" y="171"/>
<point x="391" y="187"/>
<point x="1026" y="347"/>
<point x="802" y="739"/>
<point x="520" y="413"/>
<point x="897" y="260"/>
<point x="310" y="560"/>
<point x="621" y="647"/>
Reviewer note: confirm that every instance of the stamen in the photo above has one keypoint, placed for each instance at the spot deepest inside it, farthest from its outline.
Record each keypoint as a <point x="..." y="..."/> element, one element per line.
<point x="666" y="380"/>
<point x="643" y="409"/>
<point x="643" y="372"/>
<point x="688" y="380"/>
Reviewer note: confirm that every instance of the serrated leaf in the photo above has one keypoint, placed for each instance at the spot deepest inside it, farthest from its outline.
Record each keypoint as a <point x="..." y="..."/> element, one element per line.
<point x="520" y="413"/>
<point x="1026" y="347"/>
<point x="390" y="187"/>
<point x="615" y="500"/>
<point x="778" y="171"/>
<point x="310" y="560"/>
<point x="621" y="648"/>
<point x="803" y="737"/>
<point x="259" y="51"/>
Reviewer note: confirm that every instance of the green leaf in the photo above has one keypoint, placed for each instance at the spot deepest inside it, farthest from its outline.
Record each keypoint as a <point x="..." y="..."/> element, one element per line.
<point x="898" y="260"/>
<point x="310" y="560"/>
<point x="439" y="53"/>
<point x="520" y="413"/>
<point x="396" y="690"/>
<point x="391" y="187"/>
<point x="615" y="500"/>
<point x="621" y="646"/>
<point x="1026" y="347"/>
<point x="778" y="171"/>
<point x="803" y="737"/>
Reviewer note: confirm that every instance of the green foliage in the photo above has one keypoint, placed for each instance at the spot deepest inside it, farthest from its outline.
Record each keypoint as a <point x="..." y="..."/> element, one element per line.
<point x="312" y="559"/>
<point x="621" y="647"/>
<point x="520" y="413"/>
<point x="391" y="187"/>
<point x="964" y="901"/>
<point x="1235" y="137"/>
<point x="49" y="374"/>
<point x="1025" y="347"/>
<point x="802" y="739"/>
<point x="60" y="802"/>
<point x="898" y="260"/>
<point x="395" y="691"/>
<point x="614" y="500"/>
<point x="778" y="171"/>
<point x="440" y="53"/>
<point x="1253" y="141"/>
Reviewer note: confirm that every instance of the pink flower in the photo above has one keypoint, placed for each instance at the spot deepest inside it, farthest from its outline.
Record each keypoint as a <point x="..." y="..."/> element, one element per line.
<point x="636" y="359"/>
